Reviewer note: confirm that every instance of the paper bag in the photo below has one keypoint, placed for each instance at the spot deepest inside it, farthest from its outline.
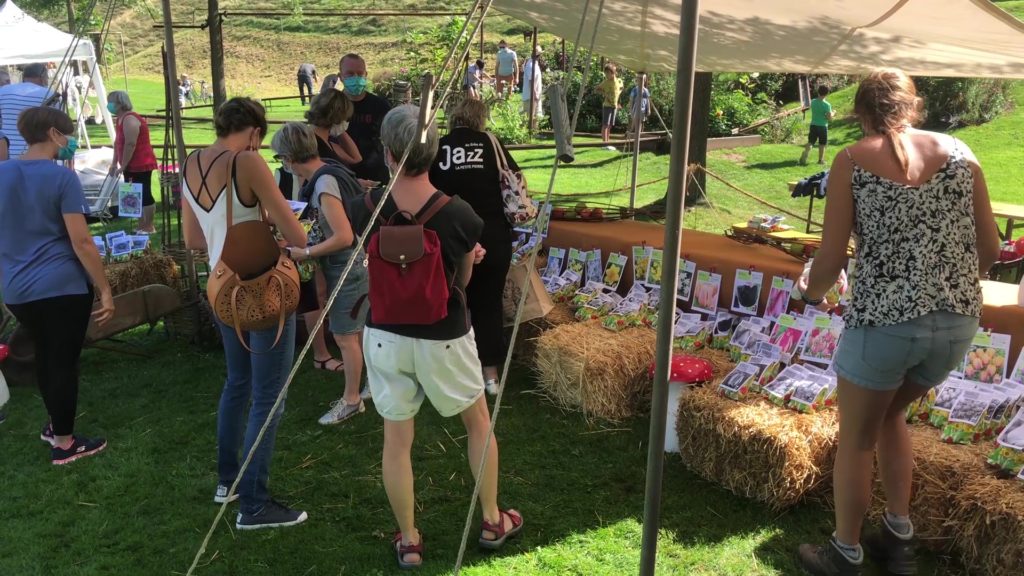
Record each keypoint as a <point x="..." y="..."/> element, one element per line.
<point x="537" y="304"/>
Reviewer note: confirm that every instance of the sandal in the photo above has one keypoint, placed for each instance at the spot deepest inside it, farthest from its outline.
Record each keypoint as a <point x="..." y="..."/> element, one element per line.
<point x="402" y="549"/>
<point x="500" y="534"/>
<point x="322" y="365"/>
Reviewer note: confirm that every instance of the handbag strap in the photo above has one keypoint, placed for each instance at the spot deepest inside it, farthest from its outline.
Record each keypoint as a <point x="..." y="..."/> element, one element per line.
<point x="499" y="153"/>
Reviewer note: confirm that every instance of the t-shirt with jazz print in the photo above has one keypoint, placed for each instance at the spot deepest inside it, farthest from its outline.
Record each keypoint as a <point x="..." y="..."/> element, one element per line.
<point x="466" y="166"/>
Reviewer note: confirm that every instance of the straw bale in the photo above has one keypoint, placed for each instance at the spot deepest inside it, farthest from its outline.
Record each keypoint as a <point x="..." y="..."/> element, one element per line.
<point x="582" y="366"/>
<point x="143" y="270"/>
<point x="755" y="449"/>
<point x="990" y="513"/>
<point x="526" y="338"/>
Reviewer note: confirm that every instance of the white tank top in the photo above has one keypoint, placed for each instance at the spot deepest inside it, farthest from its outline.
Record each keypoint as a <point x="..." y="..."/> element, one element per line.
<point x="214" y="222"/>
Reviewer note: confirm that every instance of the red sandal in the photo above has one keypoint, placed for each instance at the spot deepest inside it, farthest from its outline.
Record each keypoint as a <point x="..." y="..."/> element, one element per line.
<point x="402" y="549"/>
<point x="500" y="534"/>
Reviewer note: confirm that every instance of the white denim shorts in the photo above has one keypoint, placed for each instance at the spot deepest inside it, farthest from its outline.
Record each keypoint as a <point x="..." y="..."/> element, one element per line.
<point x="401" y="371"/>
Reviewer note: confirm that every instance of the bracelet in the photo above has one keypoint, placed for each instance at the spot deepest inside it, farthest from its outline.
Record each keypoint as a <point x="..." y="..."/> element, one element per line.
<point x="307" y="251"/>
<point x="806" y="300"/>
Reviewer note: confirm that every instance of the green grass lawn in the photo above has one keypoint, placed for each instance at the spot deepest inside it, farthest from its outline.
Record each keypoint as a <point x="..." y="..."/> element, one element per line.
<point x="143" y="506"/>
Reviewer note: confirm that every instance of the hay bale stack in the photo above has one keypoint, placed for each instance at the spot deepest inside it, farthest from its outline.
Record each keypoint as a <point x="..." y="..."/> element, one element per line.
<point x="526" y="338"/>
<point x="990" y="513"/>
<point x="148" y="268"/>
<point x="755" y="449"/>
<point x="582" y="366"/>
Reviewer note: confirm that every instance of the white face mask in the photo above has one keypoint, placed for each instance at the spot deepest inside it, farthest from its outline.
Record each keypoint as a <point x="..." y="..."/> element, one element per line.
<point x="339" y="129"/>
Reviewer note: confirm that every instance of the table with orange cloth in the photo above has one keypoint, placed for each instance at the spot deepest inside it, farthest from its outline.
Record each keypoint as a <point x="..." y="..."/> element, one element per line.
<point x="724" y="256"/>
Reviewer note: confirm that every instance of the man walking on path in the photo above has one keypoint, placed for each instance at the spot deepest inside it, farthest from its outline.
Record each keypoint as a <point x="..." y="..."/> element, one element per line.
<point x="306" y="78"/>
<point x="506" y="72"/>
<point x="821" y="113"/>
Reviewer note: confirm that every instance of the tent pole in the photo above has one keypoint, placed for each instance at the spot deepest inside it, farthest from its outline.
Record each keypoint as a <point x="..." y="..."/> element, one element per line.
<point x="172" y="74"/>
<point x="535" y="69"/>
<point x="638" y="119"/>
<point x="685" y="67"/>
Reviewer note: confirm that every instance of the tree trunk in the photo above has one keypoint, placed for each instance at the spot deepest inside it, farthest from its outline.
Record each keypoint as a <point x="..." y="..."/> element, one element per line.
<point x="71" y="16"/>
<point x="699" y="135"/>
<point x="217" y="81"/>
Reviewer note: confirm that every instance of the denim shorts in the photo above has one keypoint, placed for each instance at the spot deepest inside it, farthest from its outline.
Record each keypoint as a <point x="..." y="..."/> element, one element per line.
<point x="922" y="351"/>
<point x="607" y="116"/>
<point x="356" y="286"/>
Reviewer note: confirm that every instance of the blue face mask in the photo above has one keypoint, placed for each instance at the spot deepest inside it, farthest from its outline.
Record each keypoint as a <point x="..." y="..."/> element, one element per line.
<point x="67" y="151"/>
<point x="355" y="85"/>
<point x="111" y="108"/>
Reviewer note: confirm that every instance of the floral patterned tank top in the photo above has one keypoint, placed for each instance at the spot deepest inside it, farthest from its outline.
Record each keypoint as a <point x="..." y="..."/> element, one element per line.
<point x="916" y="246"/>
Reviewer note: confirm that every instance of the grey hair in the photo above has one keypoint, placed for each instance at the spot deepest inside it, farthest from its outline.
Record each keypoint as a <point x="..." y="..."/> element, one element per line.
<point x="120" y="100"/>
<point x="296" y="141"/>
<point x="399" y="129"/>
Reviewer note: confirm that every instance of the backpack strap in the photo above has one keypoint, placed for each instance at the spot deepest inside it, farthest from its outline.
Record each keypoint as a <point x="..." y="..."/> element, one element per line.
<point x="437" y="202"/>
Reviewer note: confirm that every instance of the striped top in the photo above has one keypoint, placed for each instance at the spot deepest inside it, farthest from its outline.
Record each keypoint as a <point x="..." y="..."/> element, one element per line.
<point x="15" y="98"/>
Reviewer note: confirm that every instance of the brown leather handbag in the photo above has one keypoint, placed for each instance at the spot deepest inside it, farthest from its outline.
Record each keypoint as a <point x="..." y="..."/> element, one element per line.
<point x="254" y="286"/>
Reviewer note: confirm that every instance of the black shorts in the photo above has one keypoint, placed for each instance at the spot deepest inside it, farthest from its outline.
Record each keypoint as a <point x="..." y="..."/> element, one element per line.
<point x="817" y="134"/>
<point x="146" y="179"/>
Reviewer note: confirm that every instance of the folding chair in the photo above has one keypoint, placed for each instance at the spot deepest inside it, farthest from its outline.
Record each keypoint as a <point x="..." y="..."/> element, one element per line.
<point x="99" y="206"/>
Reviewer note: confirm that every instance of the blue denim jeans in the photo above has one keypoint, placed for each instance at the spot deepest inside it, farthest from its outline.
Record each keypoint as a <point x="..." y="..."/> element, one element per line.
<point x="257" y="377"/>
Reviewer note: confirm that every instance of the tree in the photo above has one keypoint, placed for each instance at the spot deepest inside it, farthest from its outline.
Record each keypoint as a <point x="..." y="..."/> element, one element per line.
<point x="697" y="152"/>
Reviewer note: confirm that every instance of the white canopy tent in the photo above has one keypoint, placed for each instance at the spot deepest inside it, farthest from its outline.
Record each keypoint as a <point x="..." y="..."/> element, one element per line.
<point x="923" y="37"/>
<point x="25" y="40"/>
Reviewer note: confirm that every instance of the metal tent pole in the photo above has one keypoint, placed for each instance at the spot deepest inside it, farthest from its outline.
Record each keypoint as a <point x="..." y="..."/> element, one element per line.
<point x="535" y="69"/>
<point x="685" y="67"/>
<point x="638" y="127"/>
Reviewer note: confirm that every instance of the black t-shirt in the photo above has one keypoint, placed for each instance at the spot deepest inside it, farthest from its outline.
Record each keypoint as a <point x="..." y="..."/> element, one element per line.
<point x="467" y="166"/>
<point x="458" y="228"/>
<point x="326" y="152"/>
<point x="364" y="128"/>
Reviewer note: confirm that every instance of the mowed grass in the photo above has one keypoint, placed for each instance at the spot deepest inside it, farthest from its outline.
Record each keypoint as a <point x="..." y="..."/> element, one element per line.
<point x="143" y="506"/>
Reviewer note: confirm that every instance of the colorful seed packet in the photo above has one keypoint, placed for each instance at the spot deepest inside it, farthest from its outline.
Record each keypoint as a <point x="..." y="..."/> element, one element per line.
<point x="724" y="323"/>
<point x="746" y="291"/>
<point x="987" y="358"/>
<point x="687" y="271"/>
<point x="823" y="339"/>
<point x="705" y="292"/>
<point x="737" y="384"/>
<point x="613" y="270"/>
<point x="641" y="262"/>
<point x="1017" y="375"/>
<point x="654" y="269"/>
<point x="577" y="261"/>
<point x="787" y="334"/>
<point x="594" y="271"/>
<point x="778" y="298"/>
<point x="967" y="418"/>
<point x="100" y="245"/>
<point x="129" y="200"/>
<point x="556" y="259"/>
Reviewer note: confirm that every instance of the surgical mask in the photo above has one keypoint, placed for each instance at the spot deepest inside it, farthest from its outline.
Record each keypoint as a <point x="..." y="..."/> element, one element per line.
<point x="111" y="108"/>
<point x="67" y="151"/>
<point x="355" y="85"/>
<point x="339" y="129"/>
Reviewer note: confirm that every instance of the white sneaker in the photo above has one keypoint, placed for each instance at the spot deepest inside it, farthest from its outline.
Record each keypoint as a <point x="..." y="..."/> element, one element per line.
<point x="221" y="495"/>
<point x="365" y="393"/>
<point x="610" y="148"/>
<point x="341" y="411"/>
<point x="492" y="387"/>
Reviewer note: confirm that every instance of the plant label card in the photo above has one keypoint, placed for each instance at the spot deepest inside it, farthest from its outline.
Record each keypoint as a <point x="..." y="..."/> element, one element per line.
<point x="556" y="259"/>
<point x="113" y="236"/>
<point x="725" y="321"/>
<point x="121" y="246"/>
<point x="100" y="245"/>
<point x="613" y="270"/>
<point x="705" y="292"/>
<point x="746" y="291"/>
<point x="594" y="266"/>
<point x="687" y="270"/>
<point x="129" y="200"/>
<point x="654" y="269"/>
<point x="1013" y="435"/>
<point x="737" y="384"/>
<point x="823" y="339"/>
<point x="778" y="298"/>
<point x="641" y="262"/>
<point x="787" y="334"/>
<point x="987" y="358"/>
<point x="1018" y="369"/>
<point x="767" y="350"/>
<point x="139" y="243"/>
<point x="577" y="261"/>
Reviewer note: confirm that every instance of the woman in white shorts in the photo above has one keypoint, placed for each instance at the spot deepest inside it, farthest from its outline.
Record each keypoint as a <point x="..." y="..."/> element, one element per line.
<point x="406" y="363"/>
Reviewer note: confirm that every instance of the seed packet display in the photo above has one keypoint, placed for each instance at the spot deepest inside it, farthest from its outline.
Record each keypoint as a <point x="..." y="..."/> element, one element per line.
<point x="654" y="269"/>
<point x="614" y="269"/>
<point x="577" y="261"/>
<point x="746" y="291"/>
<point x="986" y="359"/>
<point x="594" y="271"/>
<point x="121" y="246"/>
<point x="768" y="369"/>
<point x="967" y="419"/>
<point x="748" y="329"/>
<point x="687" y="270"/>
<point x="129" y="200"/>
<point x="786" y="334"/>
<point x="649" y="312"/>
<point x="690" y="335"/>
<point x="705" y="292"/>
<point x="724" y="323"/>
<point x="598" y="307"/>
<point x="628" y="312"/>
<point x="1008" y="453"/>
<point x="778" y="298"/>
<point x="737" y="383"/>
<point x="945" y="397"/>
<point x="588" y="292"/>
<point x="564" y="287"/>
<point x="809" y="394"/>
<point x="780" y="389"/>
<point x="823" y="339"/>
<point x="100" y="245"/>
<point x="641" y="262"/>
<point x="556" y="259"/>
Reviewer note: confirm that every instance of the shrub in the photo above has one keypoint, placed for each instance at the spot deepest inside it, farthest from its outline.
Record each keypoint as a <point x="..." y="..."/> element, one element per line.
<point x="507" y="122"/>
<point x="734" y="109"/>
<point x="954" y="102"/>
<point x="781" y="130"/>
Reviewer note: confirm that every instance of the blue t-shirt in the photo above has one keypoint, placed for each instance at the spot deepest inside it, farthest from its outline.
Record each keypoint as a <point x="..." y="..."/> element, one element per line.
<point x="36" y="257"/>
<point x="643" y="101"/>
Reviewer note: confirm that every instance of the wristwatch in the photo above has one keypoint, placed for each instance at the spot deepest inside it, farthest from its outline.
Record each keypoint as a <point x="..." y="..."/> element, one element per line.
<point x="814" y="302"/>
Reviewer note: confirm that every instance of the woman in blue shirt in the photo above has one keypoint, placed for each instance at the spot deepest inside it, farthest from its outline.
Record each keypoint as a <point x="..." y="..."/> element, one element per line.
<point x="49" y="269"/>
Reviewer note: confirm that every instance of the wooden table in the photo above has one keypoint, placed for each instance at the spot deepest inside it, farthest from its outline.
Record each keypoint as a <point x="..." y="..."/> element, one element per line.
<point x="1012" y="213"/>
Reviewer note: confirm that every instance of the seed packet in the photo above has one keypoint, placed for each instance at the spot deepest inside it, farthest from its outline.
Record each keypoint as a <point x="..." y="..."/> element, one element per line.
<point x="705" y="292"/>
<point x="743" y="333"/>
<point x="986" y="359"/>
<point x="786" y="334"/>
<point x="577" y="261"/>
<point x="111" y="236"/>
<point x="778" y="298"/>
<point x="749" y="350"/>
<point x="100" y="245"/>
<point x="690" y="333"/>
<point x="1017" y="375"/>
<point x="556" y="259"/>
<point x="779" y="390"/>
<point x="746" y="291"/>
<point x="809" y="394"/>
<point x="139" y="243"/>
<point x="649" y="312"/>
<point x="768" y="369"/>
<point x="1004" y="398"/>
<point x="598" y="307"/>
<point x="626" y="313"/>
<point x="654" y="269"/>
<point x="724" y="323"/>
<point x="823" y="339"/>
<point x="129" y="200"/>
<point x="568" y="283"/>
<point x="523" y="251"/>
<point x="587" y="293"/>
<point x="737" y="384"/>
<point x="918" y="410"/>
<point x="594" y="271"/>
<point x="945" y="397"/>
<point x="614" y="269"/>
<point x="967" y="419"/>
<point x="641" y="262"/>
<point x="121" y="246"/>
<point x="687" y="270"/>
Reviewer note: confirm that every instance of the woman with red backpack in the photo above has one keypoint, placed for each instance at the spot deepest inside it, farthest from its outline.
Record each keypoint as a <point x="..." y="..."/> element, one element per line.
<point x="419" y="342"/>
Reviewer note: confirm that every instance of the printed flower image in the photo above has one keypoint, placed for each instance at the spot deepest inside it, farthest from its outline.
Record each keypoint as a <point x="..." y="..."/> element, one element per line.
<point x="786" y="338"/>
<point x="576" y="266"/>
<point x="822" y="343"/>
<point x="778" y="298"/>
<point x="745" y="296"/>
<point x="612" y="274"/>
<point x="705" y="296"/>
<point x="984" y="364"/>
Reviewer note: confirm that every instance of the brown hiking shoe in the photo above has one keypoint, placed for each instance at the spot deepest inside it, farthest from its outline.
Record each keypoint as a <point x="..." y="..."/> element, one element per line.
<point x="898" y="555"/>
<point x="826" y="560"/>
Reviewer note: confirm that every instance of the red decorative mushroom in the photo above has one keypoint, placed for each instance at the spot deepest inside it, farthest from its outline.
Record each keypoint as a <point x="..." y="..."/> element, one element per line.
<point x="4" y="352"/>
<point x="687" y="369"/>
